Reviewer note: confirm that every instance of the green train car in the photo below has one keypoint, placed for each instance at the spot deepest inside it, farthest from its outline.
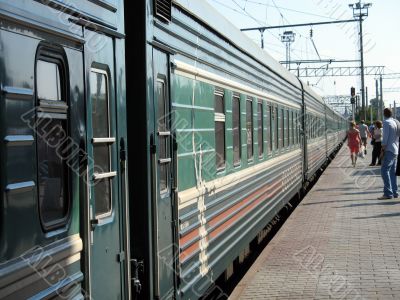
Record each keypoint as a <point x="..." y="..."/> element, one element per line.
<point x="144" y="146"/>
<point x="230" y="137"/>
<point x="63" y="142"/>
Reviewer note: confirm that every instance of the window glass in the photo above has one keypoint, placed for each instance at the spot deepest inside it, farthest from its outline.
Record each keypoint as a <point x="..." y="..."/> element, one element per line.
<point x="163" y="126"/>
<point x="277" y="138"/>
<point x="51" y="134"/>
<point x="101" y="151"/>
<point x="260" y="129"/>
<point x="219" y="103"/>
<point x="219" y="130"/>
<point x="293" y="129"/>
<point x="99" y="96"/>
<point x="287" y="129"/>
<point x="102" y="192"/>
<point x="101" y="154"/>
<point x="270" y="128"/>
<point x="236" y="130"/>
<point x="282" y="128"/>
<point x="298" y="126"/>
<point x="249" y="128"/>
<point x="220" y="144"/>
<point x="52" y="171"/>
<point x="48" y="81"/>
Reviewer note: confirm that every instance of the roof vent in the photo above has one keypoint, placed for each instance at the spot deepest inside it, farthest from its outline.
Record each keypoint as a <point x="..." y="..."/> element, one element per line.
<point x="163" y="9"/>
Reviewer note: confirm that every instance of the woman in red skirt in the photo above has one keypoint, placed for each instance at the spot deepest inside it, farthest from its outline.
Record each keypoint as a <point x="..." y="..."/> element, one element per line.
<point x="353" y="142"/>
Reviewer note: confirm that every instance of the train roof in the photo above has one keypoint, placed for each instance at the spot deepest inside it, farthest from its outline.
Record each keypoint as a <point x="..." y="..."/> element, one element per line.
<point x="208" y="15"/>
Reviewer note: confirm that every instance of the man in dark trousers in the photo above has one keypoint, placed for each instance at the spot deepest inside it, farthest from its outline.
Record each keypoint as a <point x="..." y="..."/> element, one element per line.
<point x="390" y="149"/>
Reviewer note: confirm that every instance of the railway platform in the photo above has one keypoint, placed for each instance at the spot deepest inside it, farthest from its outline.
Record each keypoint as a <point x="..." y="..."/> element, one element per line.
<point x="339" y="243"/>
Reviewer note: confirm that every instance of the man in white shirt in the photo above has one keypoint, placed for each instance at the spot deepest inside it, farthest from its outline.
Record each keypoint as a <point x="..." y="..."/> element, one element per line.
<point x="390" y="149"/>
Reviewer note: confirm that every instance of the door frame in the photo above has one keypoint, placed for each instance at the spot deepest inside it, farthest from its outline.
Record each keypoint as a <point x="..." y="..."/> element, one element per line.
<point x="120" y="183"/>
<point x="172" y="183"/>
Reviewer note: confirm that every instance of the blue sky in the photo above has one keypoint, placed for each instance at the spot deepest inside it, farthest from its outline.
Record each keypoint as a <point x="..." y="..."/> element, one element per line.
<point x="337" y="41"/>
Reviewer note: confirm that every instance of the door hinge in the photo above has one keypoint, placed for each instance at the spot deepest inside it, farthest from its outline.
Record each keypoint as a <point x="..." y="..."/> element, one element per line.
<point x="121" y="256"/>
<point x="137" y="266"/>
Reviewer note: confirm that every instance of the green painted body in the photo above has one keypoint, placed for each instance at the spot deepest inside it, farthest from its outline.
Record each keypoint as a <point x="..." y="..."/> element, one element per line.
<point x="193" y="104"/>
<point x="71" y="259"/>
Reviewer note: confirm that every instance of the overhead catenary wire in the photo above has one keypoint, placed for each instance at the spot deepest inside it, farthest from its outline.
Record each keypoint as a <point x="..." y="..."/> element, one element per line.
<point x="242" y="7"/>
<point x="244" y="12"/>
<point x="289" y="9"/>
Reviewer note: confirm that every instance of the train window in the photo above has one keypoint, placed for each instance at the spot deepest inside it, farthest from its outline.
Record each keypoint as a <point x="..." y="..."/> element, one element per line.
<point x="236" y="130"/>
<point x="288" y="128"/>
<point x="320" y="127"/>
<point x="277" y="128"/>
<point x="219" y="118"/>
<point x="260" y="130"/>
<point x="52" y="173"/>
<point x="249" y="128"/>
<point x="315" y="127"/>
<point x="298" y="127"/>
<point x="163" y="134"/>
<point x="99" y="95"/>
<point x="312" y="126"/>
<point x="293" y="132"/>
<point x="270" y="128"/>
<point x="51" y="130"/>
<point x="283" y="128"/>
<point x="48" y="80"/>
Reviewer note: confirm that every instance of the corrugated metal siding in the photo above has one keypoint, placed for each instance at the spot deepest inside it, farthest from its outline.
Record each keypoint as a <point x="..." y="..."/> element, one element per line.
<point x="219" y="222"/>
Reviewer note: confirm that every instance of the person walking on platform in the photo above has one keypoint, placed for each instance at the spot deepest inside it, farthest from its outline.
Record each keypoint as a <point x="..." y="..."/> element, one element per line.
<point x="371" y="129"/>
<point x="390" y="150"/>
<point x="364" y="133"/>
<point x="353" y="142"/>
<point x="376" y="138"/>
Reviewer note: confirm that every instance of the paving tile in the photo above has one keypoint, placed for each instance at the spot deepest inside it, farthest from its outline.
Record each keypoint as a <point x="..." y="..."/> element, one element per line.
<point x="339" y="243"/>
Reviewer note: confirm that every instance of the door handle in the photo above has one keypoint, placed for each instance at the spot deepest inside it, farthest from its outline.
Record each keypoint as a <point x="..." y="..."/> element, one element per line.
<point x="94" y="223"/>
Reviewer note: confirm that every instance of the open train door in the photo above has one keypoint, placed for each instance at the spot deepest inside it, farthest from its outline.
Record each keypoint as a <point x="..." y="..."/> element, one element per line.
<point x="106" y="253"/>
<point x="162" y="181"/>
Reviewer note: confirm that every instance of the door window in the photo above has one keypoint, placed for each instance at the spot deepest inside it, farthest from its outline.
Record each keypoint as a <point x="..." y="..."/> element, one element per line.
<point x="163" y="134"/>
<point x="236" y="130"/>
<point x="249" y="128"/>
<point x="219" y="119"/>
<point x="260" y="129"/>
<point x="102" y="141"/>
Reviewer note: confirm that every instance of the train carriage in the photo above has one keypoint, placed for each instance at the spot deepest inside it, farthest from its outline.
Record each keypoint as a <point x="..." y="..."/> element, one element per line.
<point x="62" y="126"/>
<point x="231" y="138"/>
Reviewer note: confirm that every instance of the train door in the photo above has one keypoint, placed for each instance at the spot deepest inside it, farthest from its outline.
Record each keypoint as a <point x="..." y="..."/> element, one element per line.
<point x="105" y="205"/>
<point x="162" y="179"/>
